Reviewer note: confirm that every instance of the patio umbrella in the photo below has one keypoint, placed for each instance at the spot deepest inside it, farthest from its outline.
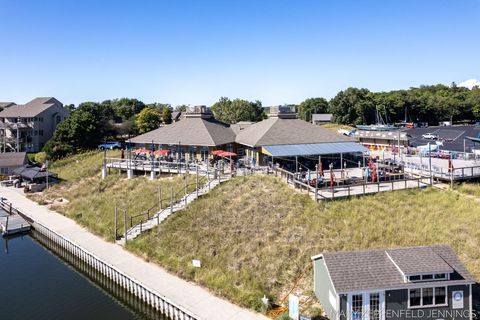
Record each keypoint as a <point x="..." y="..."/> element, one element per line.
<point x="217" y="152"/>
<point x="321" y="168"/>
<point x="140" y="150"/>
<point x="227" y="154"/>
<point x="161" y="152"/>
<point x="374" y="175"/>
<point x="332" y="176"/>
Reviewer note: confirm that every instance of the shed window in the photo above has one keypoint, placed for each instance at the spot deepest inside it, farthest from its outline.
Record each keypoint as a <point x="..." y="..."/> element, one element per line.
<point x="357" y="306"/>
<point x="440" y="295"/>
<point x="415" y="298"/>
<point x="427" y="277"/>
<point x="427" y="296"/>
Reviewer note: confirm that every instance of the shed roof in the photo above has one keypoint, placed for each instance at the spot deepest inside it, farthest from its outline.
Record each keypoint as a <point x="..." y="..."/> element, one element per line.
<point x="289" y="131"/>
<point x="286" y="150"/>
<point x="192" y="130"/>
<point x="12" y="159"/>
<point x="30" y="109"/>
<point x="373" y="269"/>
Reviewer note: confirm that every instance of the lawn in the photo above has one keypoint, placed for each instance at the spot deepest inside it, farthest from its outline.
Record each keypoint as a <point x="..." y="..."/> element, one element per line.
<point x="82" y="194"/>
<point x="256" y="236"/>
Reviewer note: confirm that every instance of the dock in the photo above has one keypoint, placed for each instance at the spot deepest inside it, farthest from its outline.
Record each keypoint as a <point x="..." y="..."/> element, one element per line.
<point x="11" y="222"/>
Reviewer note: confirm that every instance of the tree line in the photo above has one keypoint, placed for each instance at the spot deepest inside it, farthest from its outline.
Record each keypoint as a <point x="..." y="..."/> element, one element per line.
<point x="91" y="123"/>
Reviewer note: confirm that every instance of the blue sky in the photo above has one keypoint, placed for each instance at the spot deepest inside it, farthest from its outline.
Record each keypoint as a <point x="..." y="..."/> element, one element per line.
<point x="194" y="52"/>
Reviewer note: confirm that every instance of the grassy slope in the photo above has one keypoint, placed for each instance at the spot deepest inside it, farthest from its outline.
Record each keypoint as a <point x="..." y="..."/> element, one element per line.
<point x="255" y="237"/>
<point x="335" y="126"/>
<point x="95" y="199"/>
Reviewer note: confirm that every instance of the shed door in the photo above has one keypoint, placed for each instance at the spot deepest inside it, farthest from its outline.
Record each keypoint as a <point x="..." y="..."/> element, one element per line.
<point x="366" y="306"/>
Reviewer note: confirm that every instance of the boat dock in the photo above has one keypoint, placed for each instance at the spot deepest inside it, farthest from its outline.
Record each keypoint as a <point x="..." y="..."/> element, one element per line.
<point x="11" y="222"/>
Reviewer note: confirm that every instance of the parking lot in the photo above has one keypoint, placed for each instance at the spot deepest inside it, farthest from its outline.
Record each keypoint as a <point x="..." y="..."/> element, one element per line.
<point x="454" y="135"/>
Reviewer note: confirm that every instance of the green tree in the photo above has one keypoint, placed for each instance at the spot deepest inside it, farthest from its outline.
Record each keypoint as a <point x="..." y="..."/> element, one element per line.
<point x="353" y="106"/>
<point x="167" y="115"/>
<point x="233" y="111"/>
<point x="82" y="130"/>
<point x="148" y="119"/>
<point x="124" y="108"/>
<point x="312" y="106"/>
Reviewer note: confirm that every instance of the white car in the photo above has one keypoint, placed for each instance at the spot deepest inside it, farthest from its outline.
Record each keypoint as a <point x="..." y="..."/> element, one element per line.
<point x="430" y="136"/>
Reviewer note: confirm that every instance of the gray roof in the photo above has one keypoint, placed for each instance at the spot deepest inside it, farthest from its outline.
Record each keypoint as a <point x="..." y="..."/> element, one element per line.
<point x="32" y="172"/>
<point x="12" y="159"/>
<point x="191" y="131"/>
<point x="6" y="104"/>
<point x="239" y="126"/>
<point x="30" y="109"/>
<point x="419" y="260"/>
<point x="373" y="269"/>
<point x="322" y="117"/>
<point x="277" y="130"/>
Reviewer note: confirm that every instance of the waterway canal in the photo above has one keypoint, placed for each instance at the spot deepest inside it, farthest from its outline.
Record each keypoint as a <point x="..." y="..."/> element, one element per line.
<point x="41" y="281"/>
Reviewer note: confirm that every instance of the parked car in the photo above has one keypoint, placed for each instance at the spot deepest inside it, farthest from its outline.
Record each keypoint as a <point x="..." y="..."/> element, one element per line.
<point x="112" y="145"/>
<point x="430" y="136"/>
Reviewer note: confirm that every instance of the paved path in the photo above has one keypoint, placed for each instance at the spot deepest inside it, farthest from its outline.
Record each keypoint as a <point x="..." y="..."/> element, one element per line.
<point x="185" y="294"/>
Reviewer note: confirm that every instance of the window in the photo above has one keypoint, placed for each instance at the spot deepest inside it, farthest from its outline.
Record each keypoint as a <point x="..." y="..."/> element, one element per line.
<point x="357" y="306"/>
<point x="40" y="133"/>
<point x="427" y="297"/>
<point x="414" y="278"/>
<point x="440" y="295"/>
<point x="415" y="298"/>
<point x="374" y="306"/>
<point x="428" y="277"/>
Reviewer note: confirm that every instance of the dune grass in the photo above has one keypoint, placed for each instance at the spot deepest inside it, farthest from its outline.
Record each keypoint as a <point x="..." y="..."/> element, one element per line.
<point x="256" y="236"/>
<point x="472" y="189"/>
<point x="91" y="201"/>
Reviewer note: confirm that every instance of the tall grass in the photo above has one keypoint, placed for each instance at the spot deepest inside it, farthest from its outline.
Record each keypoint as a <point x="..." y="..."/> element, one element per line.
<point x="255" y="236"/>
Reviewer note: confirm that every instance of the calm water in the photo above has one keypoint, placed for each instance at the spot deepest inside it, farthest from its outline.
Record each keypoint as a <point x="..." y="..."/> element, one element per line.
<point x="40" y="281"/>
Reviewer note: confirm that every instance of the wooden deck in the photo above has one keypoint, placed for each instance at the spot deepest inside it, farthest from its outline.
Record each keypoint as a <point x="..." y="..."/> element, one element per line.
<point x="13" y="223"/>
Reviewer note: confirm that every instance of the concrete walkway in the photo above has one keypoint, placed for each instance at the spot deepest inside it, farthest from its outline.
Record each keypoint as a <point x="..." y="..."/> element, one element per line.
<point x="185" y="294"/>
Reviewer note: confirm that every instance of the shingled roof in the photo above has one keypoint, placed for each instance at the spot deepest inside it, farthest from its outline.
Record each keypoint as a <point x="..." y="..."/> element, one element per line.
<point x="30" y="109"/>
<point x="193" y="130"/>
<point x="12" y="159"/>
<point x="4" y="105"/>
<point x="278" y="131"/>
<point x="379" y="269"/>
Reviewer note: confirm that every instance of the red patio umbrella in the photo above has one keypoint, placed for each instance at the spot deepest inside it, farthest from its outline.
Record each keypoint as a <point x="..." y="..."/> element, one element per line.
<point x="332" y="176"/>
<point x="140" y="150"/>
<point x="217" y="152"/>
<point x="321" y="168"/>
<point x="227" y="154"/>
<point x="161" y="152"/>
